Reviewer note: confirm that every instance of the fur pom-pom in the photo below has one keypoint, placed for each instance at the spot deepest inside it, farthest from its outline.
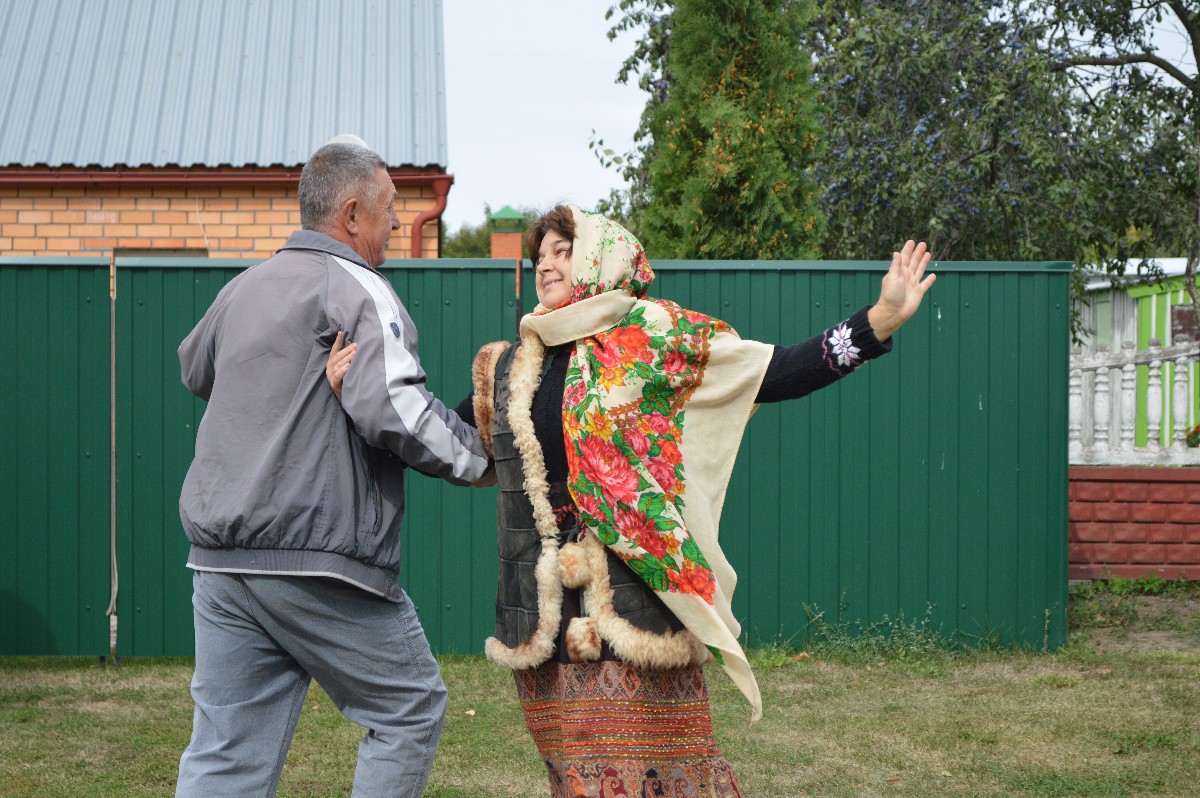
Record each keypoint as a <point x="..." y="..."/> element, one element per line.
<point x="573" y="567"/>
<point x="583" y="640"/>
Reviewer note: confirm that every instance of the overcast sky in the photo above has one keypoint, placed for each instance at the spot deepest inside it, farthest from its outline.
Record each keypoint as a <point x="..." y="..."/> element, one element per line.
<point x="526" y="83"/>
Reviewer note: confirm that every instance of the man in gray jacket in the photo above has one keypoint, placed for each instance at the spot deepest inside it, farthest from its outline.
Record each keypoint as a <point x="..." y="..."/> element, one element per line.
<point x="293" y="504"/>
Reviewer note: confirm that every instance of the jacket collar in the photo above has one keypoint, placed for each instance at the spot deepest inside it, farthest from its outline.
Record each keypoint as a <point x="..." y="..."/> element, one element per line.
<point x="311" y="239"/>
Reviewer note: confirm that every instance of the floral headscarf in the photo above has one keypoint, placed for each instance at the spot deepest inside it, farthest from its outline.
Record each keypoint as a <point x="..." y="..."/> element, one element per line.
<point x="655" y="402"/>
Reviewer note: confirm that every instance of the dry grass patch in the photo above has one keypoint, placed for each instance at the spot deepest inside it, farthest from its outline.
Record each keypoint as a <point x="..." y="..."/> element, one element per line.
<point x="1089" y="722"/>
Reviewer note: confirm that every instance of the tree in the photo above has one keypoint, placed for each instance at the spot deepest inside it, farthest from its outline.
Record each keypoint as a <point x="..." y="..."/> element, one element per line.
<point x="470" y="241"/>
<point x="475" y="241"/>
<point x="728" y="134"/>
<point x="648" y="63"/>
<point x="975" y="126"/>
<point x="948" y="122"/>
<point x="1110" y="51"/>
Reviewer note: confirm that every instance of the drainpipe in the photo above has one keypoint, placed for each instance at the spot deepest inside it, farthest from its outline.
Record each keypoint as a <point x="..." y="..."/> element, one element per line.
<point x="441" y="187"/>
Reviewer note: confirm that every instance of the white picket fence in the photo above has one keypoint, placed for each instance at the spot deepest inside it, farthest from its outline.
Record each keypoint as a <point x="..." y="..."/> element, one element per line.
<point x="1103" y="409"/>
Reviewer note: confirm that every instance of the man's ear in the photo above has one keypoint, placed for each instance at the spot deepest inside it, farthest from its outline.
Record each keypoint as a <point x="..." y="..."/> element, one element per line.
<point x="349" y="215"/>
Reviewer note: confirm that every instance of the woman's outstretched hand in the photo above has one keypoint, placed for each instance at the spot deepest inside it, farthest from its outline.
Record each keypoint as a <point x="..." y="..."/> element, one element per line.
<point x="902" y="291"/>
<point x="338" y="363"/>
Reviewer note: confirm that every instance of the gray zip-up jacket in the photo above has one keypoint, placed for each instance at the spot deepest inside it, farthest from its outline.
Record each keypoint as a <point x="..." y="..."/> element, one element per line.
<point x="285" y="479"/>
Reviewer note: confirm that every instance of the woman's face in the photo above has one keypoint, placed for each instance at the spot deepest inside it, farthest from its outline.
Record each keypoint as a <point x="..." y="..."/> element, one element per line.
<point x="553" y="271"/>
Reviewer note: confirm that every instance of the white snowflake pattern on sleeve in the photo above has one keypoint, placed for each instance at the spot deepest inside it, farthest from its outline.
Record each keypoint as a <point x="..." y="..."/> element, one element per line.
<point x="841" y="345"/>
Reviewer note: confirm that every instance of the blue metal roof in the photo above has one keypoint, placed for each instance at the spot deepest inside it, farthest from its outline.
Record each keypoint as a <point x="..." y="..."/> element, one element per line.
<point x="218" y="82"/>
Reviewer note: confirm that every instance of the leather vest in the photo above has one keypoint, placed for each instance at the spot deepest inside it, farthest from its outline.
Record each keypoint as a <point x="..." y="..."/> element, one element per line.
<point x="520" y="545"/>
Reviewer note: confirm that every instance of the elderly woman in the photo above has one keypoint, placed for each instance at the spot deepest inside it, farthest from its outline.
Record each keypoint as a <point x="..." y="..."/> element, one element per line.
<point x="614" y="424"/>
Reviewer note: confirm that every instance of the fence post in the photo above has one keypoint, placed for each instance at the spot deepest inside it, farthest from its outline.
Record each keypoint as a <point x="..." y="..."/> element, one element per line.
<point x="1154" y="397"/>
<point x="1179" y="405"/>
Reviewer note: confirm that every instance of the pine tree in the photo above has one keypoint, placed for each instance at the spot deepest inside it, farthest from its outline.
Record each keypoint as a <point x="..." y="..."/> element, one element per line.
<point x="734" y="140"/>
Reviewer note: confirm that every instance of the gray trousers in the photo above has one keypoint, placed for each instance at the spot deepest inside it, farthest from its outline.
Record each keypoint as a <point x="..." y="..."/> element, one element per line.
<point x="260" y="640"/>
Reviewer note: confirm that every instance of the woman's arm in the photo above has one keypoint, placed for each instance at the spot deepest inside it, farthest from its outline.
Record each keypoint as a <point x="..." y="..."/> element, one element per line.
<point x="339" y="363"/>
<point x="799" y="370"/>
<point x="796" y="371"/>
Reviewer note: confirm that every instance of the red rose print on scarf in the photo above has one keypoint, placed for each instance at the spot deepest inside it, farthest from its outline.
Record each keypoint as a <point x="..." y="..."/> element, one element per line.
<point x="663" y="473"/>
<point x="588" y="504"/>
<point x="604" y="463"/>
<point x="607" y="355"/>
<point x="638" y="441"/>
<point x="675" y="362"/>
<point x="658" y="423"/>
<point x="633" y="341"/>
<point x="635" y="526"/>
<point x="694" y="579"/>
<point x="575" y="394"/>
<point x="670" y="452"/>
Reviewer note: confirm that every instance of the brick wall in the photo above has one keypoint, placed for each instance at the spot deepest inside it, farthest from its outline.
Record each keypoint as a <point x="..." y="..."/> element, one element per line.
<point x="1133" y="522"/>
<point x="235" y="221"/>
<point x="506" y="245"/>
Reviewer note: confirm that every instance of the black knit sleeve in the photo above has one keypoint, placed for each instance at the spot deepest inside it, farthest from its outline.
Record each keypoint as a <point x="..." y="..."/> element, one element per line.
<point x="810" y="365"/>
<point x="466" y="409"/>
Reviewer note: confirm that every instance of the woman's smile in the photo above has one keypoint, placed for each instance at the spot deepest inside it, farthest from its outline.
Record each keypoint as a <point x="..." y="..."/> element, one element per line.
<point x="553" y="270"/>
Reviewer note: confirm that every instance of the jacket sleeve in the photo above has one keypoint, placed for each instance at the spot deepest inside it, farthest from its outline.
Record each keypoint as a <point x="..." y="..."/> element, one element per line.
<point x="198" y="352"/>
<point x="384" y="391"/>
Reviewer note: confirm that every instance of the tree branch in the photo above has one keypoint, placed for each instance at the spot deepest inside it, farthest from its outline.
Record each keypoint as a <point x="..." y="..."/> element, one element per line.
<point x="1125" y="60"/>
<point x="1190" y="26"/>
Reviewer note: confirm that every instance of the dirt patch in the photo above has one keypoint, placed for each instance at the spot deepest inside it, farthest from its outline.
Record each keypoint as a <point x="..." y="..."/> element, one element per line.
<point x="1111" y="623"/>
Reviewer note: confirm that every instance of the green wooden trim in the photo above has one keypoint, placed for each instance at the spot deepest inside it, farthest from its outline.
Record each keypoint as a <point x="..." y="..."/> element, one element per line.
<point x="960" y="266"/>
<point x="506" y="264"/>
<point x="457" y="264"/>
<point x="151" y="262"/>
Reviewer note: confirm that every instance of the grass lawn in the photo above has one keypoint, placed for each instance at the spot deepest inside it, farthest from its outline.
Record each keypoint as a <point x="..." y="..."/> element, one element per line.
<point x="1114" y="715"/>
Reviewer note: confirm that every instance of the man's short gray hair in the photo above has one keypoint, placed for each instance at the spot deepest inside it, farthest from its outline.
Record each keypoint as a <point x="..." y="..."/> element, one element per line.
<point x="334" y="174"/>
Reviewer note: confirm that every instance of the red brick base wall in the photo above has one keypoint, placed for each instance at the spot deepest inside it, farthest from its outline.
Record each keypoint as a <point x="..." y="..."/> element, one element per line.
<point x="1133" y="521"/>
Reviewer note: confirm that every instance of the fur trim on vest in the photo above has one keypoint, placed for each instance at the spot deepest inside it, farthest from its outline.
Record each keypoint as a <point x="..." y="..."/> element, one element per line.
<point x="582" y="564"/>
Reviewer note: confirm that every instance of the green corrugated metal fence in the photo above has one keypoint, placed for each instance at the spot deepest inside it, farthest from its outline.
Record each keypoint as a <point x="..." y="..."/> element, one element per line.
<point x="54" y="456"/>
<point x="934" y="476"/>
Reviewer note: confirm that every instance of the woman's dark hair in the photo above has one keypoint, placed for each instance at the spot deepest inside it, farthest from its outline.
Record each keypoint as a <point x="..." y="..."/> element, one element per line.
<point x="559" y="219"/>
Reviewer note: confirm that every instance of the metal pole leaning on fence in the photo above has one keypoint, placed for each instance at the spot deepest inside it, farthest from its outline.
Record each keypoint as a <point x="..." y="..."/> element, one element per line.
<point x="111" y="612"/>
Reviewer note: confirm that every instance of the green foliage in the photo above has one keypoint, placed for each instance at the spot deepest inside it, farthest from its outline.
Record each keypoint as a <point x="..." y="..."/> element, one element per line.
<point x="727" y="138"/>
<point x="1120" y="604"/>
<point x="948" y="122"/>
<point x="728" y="175"/>
<point x="887" y="639"/>
<point x="1111" y="51"/>
<point x="469" y="241"/>
<point x="475" y="241"/>
<point x="1149" y="585"/>
<point x="648" y="64"/>
<point x="994" y="129"/>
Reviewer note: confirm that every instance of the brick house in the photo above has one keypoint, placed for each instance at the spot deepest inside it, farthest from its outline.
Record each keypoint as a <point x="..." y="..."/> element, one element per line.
<point x="137" y="126"/>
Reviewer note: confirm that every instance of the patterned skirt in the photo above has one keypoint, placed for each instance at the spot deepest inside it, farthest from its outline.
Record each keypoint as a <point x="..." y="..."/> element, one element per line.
<point x="605" y="729"/>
